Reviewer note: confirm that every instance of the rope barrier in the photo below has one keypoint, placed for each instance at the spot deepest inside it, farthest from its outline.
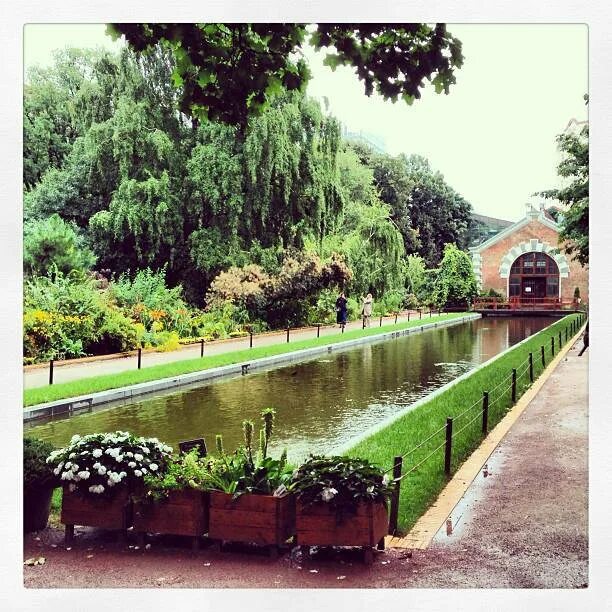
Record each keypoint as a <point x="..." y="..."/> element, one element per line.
<point x="456" y="433"/>
<point x="418" y="465"/>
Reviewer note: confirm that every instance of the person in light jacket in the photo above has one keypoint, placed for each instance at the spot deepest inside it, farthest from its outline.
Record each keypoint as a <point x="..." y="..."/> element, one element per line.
<point x="366" y="309"/>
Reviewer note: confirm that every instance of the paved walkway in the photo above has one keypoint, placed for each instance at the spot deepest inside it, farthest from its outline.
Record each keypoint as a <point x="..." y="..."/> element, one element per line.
<point x="38" y="376"/>
<point x="522" y="523"/>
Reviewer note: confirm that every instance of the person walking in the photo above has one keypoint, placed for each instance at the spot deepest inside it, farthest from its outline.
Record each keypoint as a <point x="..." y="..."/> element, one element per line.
<point x="585" y="339"/>
<point x="341" y="310"/>
<point x="366" y="309"/>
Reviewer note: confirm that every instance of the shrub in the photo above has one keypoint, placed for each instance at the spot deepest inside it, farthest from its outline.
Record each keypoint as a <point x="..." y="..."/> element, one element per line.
<point x="341" y="482"/>
<point x="36" y="471"/>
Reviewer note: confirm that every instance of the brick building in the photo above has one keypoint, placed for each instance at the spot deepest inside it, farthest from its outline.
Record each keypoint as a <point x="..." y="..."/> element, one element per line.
<point x="524" y="261"/>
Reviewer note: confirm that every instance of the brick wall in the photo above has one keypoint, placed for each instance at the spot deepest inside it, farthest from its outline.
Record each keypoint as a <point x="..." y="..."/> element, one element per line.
<point x="492" y="257"/>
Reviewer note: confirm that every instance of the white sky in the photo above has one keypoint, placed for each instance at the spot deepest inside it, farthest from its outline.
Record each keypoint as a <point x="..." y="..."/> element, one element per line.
<point x="493" y="136"/>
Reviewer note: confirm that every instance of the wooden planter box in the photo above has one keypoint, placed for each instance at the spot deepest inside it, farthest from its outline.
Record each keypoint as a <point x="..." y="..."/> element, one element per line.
<point x="184" y="512"/>
<point x="108" y="513"/>
<point x="261" y="519"/>
<point x="316" y="526"/>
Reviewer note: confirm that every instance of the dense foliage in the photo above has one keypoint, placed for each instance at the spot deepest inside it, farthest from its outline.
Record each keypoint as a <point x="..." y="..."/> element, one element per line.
<point x="574" y="196"/>
<point x="231" y="71"/>
<point x="340" y="482"/>
<point x="199" y="229"/>
<point x="36" y="471"/>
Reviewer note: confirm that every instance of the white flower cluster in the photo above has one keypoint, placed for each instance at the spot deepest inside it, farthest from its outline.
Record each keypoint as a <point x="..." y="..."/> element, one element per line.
<point x="107" y="460"/>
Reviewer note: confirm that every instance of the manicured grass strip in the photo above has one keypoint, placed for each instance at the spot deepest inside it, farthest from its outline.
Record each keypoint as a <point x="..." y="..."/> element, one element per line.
<point x="83" y="386"/>
<point x="420" y="488"/>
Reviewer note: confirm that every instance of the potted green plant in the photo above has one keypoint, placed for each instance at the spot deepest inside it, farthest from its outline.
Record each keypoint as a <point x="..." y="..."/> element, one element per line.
<point x="38" y="484"/>
<point x="249" y="497"/>
<point x="341" y="501"/>
<point x="174" y="501"/>
<point x="99" y="472"/>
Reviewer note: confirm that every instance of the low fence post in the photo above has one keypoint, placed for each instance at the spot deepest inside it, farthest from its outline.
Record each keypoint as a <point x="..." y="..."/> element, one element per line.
<point x="543" y="358"/>
<point x="380" y="323"/>
<point x="530" y="367"/>
<point x="396" y="317"/>
<point x="485" y="412"/>
<point x="408" y="316"/>
<point x="559" y="339"/>
<point x="394" y="509"/>
<point x="250" y="339"/>
<point x="362" y="322"/>
<point x="448" y="447"/>
<point x="430" y="312"/>
<point x="318" y="330"/>
<point x="51" y="372"/>
<point x="287" y="334"/>
<point x="139" y="357"/>
<point x="514" y="385"/>
<point x="566" y="333"/>
<point x="552" y="346"/>
<point x="201" y="348"/>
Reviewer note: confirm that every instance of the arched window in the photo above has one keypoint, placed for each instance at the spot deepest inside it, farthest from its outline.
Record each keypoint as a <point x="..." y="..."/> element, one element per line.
<point x="534" y="275"/>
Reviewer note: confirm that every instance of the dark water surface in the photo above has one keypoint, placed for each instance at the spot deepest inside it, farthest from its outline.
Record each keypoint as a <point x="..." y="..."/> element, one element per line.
<point x="320" y="404"/>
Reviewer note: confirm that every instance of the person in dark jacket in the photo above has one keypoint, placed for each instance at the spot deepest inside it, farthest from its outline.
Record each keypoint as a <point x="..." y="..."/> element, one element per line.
<point x="341" y="310"/>
<point x="585" y="339"/>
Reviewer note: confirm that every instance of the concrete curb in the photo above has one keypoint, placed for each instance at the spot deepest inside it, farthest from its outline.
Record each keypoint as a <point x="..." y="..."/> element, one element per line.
<point x="86" y="402"/>
<point x="425" y="529"/>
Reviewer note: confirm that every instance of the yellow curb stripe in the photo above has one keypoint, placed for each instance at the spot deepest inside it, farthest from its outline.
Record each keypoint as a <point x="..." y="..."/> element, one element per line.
<point x="423" y="532"/>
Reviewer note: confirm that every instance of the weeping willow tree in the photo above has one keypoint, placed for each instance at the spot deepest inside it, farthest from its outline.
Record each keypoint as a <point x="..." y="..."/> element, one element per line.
<point x="291" y="189"/>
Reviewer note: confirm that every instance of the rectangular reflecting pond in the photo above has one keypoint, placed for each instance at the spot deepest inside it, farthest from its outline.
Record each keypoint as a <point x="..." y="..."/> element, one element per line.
<point x="320" y="404"/>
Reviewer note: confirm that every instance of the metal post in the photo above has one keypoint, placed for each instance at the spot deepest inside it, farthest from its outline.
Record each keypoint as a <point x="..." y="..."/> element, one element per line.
<point x="51" y="372"/>
<point x="394" y="509"/>
<point x="318" y="330"/>
<point x="530" y="367"/>
<point x="340" y="326"/>
<point x="559" y="339"/>
<point x="396" y="317"/>
<point x="139" y="358"/>
<point x="543" y="358"/>
<point x="514" y="385"/>
<point x="201" y="348"/>
<point x="362" y="322"/>
<point x="287" y="334"/>
<point x="420" y="314"/>
<point x="430" y="312"/>
<point x="485" y="412"/>
<point x="250" y="339"/>
<point x="552" y="346"/>
<point x="408" y="315"/>
<point x="448" y="447"/>
<point x="380" y="324"/>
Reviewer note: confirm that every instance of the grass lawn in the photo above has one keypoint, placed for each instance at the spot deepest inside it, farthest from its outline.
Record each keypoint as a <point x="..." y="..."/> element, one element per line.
<point x="463" y="403"/>
<point x="75" y="388"/>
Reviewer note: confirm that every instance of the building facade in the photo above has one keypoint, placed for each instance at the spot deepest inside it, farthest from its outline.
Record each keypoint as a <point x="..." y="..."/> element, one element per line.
<point x="525" y="262"/>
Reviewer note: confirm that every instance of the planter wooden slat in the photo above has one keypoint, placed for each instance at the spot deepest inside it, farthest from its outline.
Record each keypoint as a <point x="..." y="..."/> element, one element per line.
<point x="261" y="519"/>
<point x="184" y="512"/>
<point x="107" y="513"/>
<point x="317" y="526"/>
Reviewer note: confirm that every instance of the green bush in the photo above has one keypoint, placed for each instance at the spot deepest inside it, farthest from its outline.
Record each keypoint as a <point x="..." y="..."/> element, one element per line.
<point x="36" y="471"/>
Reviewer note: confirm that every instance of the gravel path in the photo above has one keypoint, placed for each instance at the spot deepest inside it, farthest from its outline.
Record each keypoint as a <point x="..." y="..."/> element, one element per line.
<point x="522" y="523"/>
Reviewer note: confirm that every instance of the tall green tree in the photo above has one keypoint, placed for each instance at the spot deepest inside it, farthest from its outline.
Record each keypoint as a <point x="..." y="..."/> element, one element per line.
<point x="455" y="283"/>
<point x="232" y="71"/>
<point x="574" y="197"/>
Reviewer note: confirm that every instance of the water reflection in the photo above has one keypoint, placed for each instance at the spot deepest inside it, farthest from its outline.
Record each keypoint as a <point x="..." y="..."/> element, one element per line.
<point x="321" y="403"/>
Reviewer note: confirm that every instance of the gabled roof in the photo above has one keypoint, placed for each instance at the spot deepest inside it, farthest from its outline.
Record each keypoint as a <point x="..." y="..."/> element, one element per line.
<point x="534" y="216"/>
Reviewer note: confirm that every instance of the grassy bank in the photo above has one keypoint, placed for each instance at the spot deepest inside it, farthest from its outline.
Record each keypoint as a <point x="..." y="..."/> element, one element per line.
<point x="463" y="402"/>
<point x="49" y="393"/>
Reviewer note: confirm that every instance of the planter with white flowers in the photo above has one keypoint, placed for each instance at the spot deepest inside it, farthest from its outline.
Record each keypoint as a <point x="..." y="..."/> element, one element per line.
<point x="99" y="473"/>
<point x="341" y="501"/>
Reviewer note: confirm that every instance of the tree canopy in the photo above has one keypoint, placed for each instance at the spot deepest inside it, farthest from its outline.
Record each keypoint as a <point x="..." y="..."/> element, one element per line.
<point x="232" y="71"/>
<point x="574" y="196"/>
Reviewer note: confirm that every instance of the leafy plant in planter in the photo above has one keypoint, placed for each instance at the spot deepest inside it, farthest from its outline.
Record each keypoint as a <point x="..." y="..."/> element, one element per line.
<point x="341" y="501"/>
<point x="173" y="501"/>
<point x="38" y="484"/>
<point x="99" y="471"/>
<point x="249" y="500"/>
